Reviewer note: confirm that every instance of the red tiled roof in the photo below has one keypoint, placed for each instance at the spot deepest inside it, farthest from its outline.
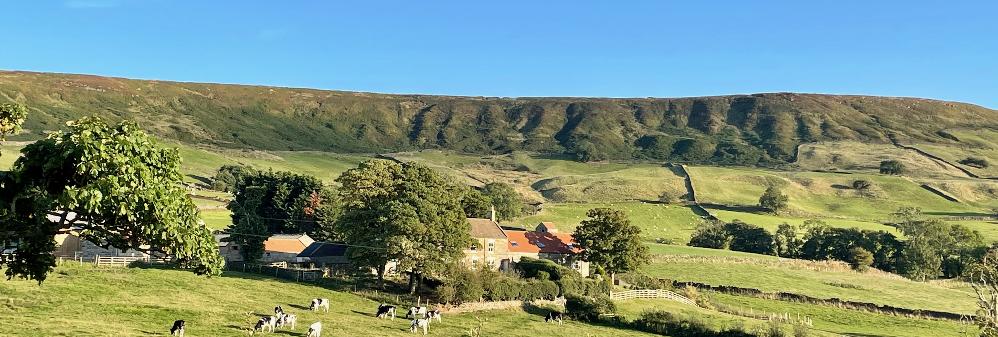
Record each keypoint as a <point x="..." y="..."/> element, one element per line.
<point x="537" y="242"/>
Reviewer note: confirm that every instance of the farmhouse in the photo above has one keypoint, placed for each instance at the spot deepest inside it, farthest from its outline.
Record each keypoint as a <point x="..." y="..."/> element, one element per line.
<point x="322" y="254"/>
<point x="490" y="243"/>
<point x="545" y="242"/>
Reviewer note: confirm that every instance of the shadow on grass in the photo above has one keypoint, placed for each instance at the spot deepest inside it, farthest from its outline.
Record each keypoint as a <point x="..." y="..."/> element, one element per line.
<point x="735" y="208"/>
<point x="968" y="214"/>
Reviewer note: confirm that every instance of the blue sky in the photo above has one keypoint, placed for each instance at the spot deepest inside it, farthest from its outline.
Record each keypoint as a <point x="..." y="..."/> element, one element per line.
<point x="939" y="49"/>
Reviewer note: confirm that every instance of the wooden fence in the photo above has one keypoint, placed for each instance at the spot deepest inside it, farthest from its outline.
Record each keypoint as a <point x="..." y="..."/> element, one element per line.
<point x="124" y="261"/>
<point x="651" y="293"/>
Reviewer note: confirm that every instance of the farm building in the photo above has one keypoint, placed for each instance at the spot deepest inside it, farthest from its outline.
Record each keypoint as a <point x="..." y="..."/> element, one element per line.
<point x="69" y="244"/>
<point x="323" y="254"/>
<point x="490" y="242"/>
<point x="277" y="248"/>
<point x="546" y="243"/>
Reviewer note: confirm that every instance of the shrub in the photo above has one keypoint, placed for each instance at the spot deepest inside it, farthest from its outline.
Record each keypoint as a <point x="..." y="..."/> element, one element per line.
<point x="860" y="259"/>
<point x="446" y="293"/>
<point x="588" y="309"/>
<point x="974" y="162"/>
<point x="710" y="234"/>
<point x="749" y="238"/>
<point x="861" y="184"/>
<point x="669" y="324"/>
<point x="532" y="268"/>
<point x="700" y="299"/>
<point x="893" y="167"/>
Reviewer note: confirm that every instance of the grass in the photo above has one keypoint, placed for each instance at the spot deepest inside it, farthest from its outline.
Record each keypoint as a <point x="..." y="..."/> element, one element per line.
<point x="771" y="222"/>
<point x="127" y="302"/>
<point x="981" y="143"/>
<point x="846" y="321"/>
<point x="815" y="194"/>
<point x="632" y="309"/>
<point x="866" y="157"/>
<point x="216" y="219"/>
<point x="671" y="222"/>
<point x="821" y="279"/>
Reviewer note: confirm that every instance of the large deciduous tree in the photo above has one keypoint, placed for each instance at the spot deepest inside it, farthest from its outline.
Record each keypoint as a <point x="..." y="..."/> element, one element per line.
<point x="609" y="240"/>
<point x="508" y="203"/>
<point x="270" y="202"/>
<point x="11" y="117"/>
<point x="774" y="200"/>
<point x="401" y="212"/>
<point x="113" y="184"/>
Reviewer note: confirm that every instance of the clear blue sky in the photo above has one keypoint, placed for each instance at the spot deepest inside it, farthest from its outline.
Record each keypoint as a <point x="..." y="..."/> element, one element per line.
<point x="938" y="49"/>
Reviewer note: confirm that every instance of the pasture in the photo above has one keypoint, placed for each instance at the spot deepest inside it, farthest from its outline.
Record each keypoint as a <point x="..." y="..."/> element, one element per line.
<point x="132" y="302"/>
<point x="671" y="222"/>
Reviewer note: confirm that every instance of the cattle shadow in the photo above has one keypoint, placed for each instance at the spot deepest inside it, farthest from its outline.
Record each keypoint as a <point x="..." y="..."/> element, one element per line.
<point x="537" y="310"/>
<point x="841" y="187"/>
<point x="365" y="313"/>
<point x="299" y="307"/>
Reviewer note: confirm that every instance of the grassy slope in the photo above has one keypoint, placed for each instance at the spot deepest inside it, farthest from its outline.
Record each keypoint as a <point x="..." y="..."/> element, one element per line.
<point x="817" y="279"/>
<point x="671" y="222"/>
<point x="982" y="143"/>
<point x="849" y="322"/>
<point x="82" y="301"/>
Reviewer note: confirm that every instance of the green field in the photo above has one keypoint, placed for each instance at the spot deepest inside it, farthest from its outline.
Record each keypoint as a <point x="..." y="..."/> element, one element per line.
<point x="821" y="279"/>
<point x="127" y="302"/>
<point x="848" y="322"/>
<point x="981" y="143"/>
<point x="670" y="222"/>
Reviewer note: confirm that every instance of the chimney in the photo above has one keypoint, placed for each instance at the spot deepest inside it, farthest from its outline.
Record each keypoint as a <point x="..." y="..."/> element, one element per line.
<point x="492" y="214"/>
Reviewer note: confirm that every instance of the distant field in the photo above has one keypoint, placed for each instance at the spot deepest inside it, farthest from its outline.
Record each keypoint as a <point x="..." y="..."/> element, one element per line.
<point x="671" y="222"/>
<point x="825" y="279"/>
<point x="814" y="194"/>
<point x="323" y="165"/>
<point x="866" y="158"/>
<point x="771" y="222"/>
<point x="981" y="143"/>
<point x="83" y="301"/>
<point x="849" y="322"/>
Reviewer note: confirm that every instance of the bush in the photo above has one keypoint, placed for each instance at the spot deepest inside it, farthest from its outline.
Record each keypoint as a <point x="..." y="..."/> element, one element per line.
<point x="749" y="238"/>
<point x="588" y="309"/>
<point x="860" y="259"/>
<point x="974" y="162"/>
<point x="893" y="167"/>
<point x="710" y="234"/>
<point x="583" y="287"/>
<point x="446" y="293"/>
<point x="532" y="268"/>
<point x="700" y="299"/>
<point x="861" y="184"/>
<point x="669" y="324"/>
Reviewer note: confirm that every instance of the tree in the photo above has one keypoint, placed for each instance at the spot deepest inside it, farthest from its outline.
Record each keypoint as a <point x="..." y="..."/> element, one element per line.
<point x="475" y="203"/>
<point x="774" y="200"/>
<point x="228" y="177"/>
<point x="710" y="234"/>
<point x="656" y="146"/>
<point x="269" y="202"/>
<point x="984" y="279"/>
<point x="507" y="202"/>
<point x="786" y="243"/>
<point x="923" y="252"/>
<point x="111" y="182"/>
<point x="608" y="239"/>
<point x="11" y="117"/>
<point x="860" y="259"/>
<point x="892" y="167"/>
<point x="862" y="185"/>
<point x="402" y="212"/>
<point x="749" y="238"/>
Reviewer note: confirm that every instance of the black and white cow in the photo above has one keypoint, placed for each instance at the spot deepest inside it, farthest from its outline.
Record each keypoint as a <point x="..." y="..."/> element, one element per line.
<point x="315" y="330"/>
<point x="278" y="311"/>
<point x="554" y="316"/>
<point x="178" y="328"/>
<point x="287" y="319"/>
<point x="434" y="314"/>
<point x="265" y="324"/>
<point x="319" y="303"/>
<point x="423" y="323"/>
<point x="416" y="312"/>
<point x="385" y="310"/>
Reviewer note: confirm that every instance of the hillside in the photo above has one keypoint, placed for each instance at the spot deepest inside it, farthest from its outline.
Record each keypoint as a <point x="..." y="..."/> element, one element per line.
<point x="766" y="126"/>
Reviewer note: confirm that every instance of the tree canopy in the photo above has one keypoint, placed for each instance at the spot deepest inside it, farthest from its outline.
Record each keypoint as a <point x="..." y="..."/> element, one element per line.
<point x="114" y="185"/>
<point x="269" y="202"/>
<point x="608" y="239"/>
<point x="774" y="200"/>
<point x="508" y="203"/>
<point x="11" y="117"/>
<point x="402" y="212"/>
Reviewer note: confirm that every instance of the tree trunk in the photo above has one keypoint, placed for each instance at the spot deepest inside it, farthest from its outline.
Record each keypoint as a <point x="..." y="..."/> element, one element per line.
<point x="414" y="282"/>
<point x="381" y="277"/>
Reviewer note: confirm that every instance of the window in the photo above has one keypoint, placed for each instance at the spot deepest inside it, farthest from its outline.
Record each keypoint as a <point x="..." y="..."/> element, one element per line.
<point x="492" y="245"/>
<point x="235" y="247"/>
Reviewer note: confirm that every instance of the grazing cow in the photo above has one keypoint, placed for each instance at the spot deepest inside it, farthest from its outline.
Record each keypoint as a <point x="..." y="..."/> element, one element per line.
<point x="265" y="323"/>
<point x="178" y="328"/>
<point x="433" y="314"/>
<point x="315" y="330"/>
<point x="420" y="323"/>
<point x="384" y="310"/>
<point x="318" y="303"/>
<point x="278" y="311"/>
<point x="416" y="312"/>
<point x="287" y="319"/>
<point x="554" y="316"/>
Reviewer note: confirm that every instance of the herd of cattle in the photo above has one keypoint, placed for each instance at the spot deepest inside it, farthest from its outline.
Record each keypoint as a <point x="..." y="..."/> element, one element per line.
<point x="420" y="315"/>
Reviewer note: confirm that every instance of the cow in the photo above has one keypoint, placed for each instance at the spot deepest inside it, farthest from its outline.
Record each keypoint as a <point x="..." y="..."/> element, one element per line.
<point x="420" y="323"/>
<point x="415" y="312"/>
<point x="315" y="330"/>
<point x="433" y="314"/>
<point x="278" y="311"/>
<point x="265" y="323"/>
<point x="178" y="328"/>
<point x="384" y="310"/>
<point x="287" y="319"/>
<point x="554" y="316"/>
<point x="318" y="303"/>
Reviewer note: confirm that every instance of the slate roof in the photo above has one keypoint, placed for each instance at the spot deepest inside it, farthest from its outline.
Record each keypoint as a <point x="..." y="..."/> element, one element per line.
<point x="323" y="249"/>
<point x="485" y="229"/>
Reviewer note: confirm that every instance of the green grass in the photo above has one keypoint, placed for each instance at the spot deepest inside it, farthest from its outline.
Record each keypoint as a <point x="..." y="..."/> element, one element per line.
<point x="981" y="143"/>
<point x="127" y="302"/>
<point x="814" y="194"/>
<point x="632" y="309"/>
<point x="846" y="321"/>
<point x="670" y="222"/>
<point x="216" y="219"/>
<point x="323" y="165"/>
<point x="821" y="279"/>
<point x="771" y="222"/>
